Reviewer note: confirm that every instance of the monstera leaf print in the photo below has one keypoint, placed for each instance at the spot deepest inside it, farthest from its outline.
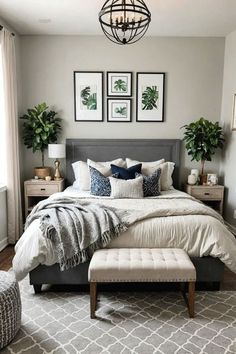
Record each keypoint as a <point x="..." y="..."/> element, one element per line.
<point x="120" y="85"/>
<point x="92" y="102"/>
<point x="89" y="100"/>
<point x="121" y="110"/>
<point x="84" y="94"/>
<point x="149" y="98"/>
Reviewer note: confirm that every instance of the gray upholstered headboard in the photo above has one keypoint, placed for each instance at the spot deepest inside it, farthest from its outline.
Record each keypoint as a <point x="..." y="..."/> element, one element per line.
<point x="110" y="149"/>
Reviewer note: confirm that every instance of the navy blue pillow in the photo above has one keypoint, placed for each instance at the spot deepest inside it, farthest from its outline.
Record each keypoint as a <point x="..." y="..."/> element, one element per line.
<point x="151" y="184"/>
<point x="99" y="184"/>
<point x="126" y="173"/>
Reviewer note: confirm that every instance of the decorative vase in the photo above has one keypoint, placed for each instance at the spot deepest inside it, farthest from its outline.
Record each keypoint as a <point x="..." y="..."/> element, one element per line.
<point x="195" y="172"/>
<point x="192" y="179"/>
<point x="42" y="172"/>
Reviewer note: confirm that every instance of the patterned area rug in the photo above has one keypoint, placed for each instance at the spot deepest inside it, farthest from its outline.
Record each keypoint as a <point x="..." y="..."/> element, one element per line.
<point x="144" y="323"/>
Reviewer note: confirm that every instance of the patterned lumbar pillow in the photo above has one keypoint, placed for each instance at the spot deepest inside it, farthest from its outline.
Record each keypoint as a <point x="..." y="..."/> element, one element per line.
<point x="99" y="184"/>
<point x="151" y="184"/>
<point x="126" y="173"/>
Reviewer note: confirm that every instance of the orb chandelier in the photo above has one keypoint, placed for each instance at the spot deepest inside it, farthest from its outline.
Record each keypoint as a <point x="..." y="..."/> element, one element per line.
<point x="124" y="21"/>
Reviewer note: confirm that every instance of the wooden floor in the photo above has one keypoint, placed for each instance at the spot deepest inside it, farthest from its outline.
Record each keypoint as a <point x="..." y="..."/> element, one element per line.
<point x="6" y="258"/>
<point x="229" y="282"/>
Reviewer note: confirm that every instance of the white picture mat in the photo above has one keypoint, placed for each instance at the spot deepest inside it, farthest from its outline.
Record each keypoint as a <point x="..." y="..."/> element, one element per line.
<point x="114" y="78"/>
<point x="117" y="119"/>
<point x="127" y="77"/>
<point x="151" y="79"/>
<point x="88" y="79"/>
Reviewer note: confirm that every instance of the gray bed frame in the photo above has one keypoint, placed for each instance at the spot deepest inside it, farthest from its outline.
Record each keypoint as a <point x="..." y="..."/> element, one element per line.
<point x="208" y="269"/>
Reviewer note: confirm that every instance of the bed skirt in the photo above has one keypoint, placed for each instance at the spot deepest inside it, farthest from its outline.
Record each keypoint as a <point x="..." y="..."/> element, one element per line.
<point x="209" y="270"/>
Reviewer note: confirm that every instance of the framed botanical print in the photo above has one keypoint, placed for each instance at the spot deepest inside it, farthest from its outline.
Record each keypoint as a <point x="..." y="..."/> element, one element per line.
<point x="119" y="84"/>
<point x="119" y="110"/>
<point x="88" y="96"/>
<point x="150" y="97"/>
<point x="234" y="113"/>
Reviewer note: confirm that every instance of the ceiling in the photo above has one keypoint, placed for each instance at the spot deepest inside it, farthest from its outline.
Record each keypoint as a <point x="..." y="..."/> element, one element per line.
<point x="71" y="17"/>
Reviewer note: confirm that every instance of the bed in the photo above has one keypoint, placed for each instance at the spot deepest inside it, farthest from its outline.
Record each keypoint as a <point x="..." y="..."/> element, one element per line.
<point x="209" y="269"/>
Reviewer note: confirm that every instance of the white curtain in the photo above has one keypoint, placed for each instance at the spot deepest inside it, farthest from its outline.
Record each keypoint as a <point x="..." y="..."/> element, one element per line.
<point x="11" y="134"/>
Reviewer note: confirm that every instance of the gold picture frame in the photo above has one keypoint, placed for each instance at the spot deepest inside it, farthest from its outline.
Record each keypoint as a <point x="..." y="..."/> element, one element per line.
<point x="234" y="114"/>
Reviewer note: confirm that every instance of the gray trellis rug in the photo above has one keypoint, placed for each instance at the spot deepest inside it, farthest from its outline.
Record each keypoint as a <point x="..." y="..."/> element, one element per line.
<point x="142" y="323"/>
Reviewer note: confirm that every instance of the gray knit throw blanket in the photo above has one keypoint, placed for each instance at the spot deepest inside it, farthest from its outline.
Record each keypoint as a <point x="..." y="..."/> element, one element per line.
<point x="77" y="228"/>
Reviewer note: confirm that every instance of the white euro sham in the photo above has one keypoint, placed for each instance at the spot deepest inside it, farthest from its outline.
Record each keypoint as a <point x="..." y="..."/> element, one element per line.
<point x="82" y="175"/>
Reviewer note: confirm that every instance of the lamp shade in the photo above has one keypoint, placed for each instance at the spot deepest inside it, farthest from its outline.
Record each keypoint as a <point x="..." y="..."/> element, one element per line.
<point x="56" y="151"/>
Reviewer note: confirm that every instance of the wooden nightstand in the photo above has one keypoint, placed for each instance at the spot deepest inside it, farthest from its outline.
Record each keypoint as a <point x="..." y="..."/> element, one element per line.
<point x="213" y="196"/>
<point x="36" y="190"/>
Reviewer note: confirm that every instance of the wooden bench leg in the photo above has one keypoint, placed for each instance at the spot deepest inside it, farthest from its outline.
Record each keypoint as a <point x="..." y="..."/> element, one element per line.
<point x="191" y="296"/>
<point x="93" y="299"/>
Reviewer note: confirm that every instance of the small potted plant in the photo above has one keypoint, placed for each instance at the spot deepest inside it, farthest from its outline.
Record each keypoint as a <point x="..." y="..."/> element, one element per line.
<point x="40" y="128"/>
<point x="202" y="139"/>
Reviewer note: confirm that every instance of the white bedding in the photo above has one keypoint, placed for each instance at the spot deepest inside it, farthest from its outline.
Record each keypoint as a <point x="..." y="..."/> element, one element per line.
<point x="199" y="235"/>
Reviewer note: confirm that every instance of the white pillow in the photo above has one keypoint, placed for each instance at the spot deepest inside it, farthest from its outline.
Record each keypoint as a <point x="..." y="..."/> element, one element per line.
<point x="148" y="168"/>
<point x="105" y="167"/>
<point x="131" y="188"/>
<point x="81" y="171"/>
<point x="167" y="169"/>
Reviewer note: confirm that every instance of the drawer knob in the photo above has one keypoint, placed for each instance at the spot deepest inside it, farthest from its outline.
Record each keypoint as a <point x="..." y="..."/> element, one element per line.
<point x="207" y="193"/>
<point x="43" y="189"/>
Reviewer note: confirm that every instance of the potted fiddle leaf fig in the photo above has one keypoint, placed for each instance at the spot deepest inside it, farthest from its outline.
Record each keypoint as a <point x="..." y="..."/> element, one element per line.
<point x="202" y="139"/>
<point x="40" y="128"/>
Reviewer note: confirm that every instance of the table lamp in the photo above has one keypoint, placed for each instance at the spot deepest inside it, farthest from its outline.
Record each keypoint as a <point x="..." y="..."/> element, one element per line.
<point x="57" y="151"/>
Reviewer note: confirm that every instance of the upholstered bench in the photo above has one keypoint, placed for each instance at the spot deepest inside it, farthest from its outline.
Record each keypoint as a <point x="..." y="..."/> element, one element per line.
<point x="141" y="265"/>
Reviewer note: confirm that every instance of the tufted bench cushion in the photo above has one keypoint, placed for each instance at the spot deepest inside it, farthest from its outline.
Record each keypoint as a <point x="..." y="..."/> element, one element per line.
<point x="141" y="265"/>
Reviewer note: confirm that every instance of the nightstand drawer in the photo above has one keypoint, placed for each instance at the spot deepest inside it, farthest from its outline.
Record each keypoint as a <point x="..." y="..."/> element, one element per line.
<point x="41" y="189"/>
<point x="207" y="193"/>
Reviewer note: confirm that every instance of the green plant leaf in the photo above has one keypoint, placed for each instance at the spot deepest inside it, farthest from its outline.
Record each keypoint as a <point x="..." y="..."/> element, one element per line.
<point x="202" y="139"/>
<point x="121" y="110"/>
<point x="120" y="85"/>
<point x="40" y="128"/>
<point x="92" y="102"/>
<point x="149" y="98"/>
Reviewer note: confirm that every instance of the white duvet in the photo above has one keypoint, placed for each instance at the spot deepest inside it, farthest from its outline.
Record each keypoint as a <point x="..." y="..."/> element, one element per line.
<point x="199" y="235"/>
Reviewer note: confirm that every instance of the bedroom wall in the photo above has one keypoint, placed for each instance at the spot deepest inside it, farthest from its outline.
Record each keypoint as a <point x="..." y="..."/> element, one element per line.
<point x="228" y="162"/>
<point x="194" y="68"/>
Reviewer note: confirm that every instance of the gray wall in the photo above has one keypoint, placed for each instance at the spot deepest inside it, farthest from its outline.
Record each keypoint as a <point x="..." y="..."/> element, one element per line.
<point x="194" y="68"/>
<point x="228" y="162"/>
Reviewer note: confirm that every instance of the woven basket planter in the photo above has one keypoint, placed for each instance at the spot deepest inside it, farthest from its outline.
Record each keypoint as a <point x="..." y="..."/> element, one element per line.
<point x="10" y="308"/>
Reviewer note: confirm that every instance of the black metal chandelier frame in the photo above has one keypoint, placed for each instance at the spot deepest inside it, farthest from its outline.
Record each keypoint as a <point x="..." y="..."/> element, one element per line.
<point x="117" y="25"/>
